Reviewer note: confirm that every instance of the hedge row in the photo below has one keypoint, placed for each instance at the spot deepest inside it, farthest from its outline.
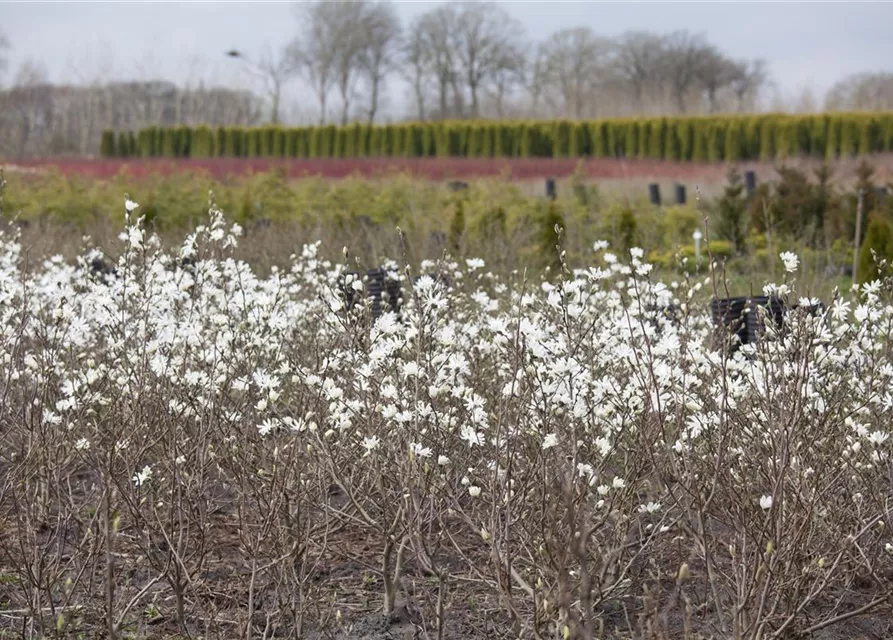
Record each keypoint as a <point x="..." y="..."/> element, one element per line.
<point x="698" y="139"/>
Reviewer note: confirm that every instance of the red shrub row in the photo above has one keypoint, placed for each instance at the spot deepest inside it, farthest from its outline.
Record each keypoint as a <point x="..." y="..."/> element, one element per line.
<point x="432" y="168"/>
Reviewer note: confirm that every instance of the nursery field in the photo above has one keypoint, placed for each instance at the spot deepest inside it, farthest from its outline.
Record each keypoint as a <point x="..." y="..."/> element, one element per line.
<point x="805" y="207"/>
<point x="192" y="448"/>
<point x="380" y="407"/>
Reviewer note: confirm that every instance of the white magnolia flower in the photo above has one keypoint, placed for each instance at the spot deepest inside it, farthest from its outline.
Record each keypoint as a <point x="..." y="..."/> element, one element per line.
<point x="419" y="450"/>
<point x="82" y="445"/>
<point x="651" y="507"/>
<point x="371" y="443"/>
<point x="135" y="237"/>
<point x="442" y="460"/>
<point x="585" y="470"/>
<point x="618" y="482"/>
<point x="474" y="491"/>
<point x="140" y="477"/>
<point x="765" y="502"/>
<point x="878" y="437"/>
<point x="791" y="261"/>
<point x="410" y="369"/>
<point x="266" y="427"/>
<point x="550" y="441"/>
<point x="130" y="205"/>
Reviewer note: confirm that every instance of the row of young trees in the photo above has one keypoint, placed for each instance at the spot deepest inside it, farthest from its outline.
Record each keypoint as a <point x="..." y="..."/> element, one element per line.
<point x="699" y="139"/>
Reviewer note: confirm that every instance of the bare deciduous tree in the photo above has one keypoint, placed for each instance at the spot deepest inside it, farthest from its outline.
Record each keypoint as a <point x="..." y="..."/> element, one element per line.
<point x="862" y="91"/>
<point x="4" y="47"/>
<point x="714" y="72"/>
<point x="30" y="110"/>
<point x="748" y="80"/>
<point x="683" y="55"/>
<point x="535" y="78"/>
<point x="508" y="74"/>
<point x="485" y="40"/>
<point x="574" y="63"/>
<point x="315" y="51"/>
<point x="273" y="71"/>
<point x="417" y="61"/>
<point x="638" y="63"/>
<point x="380" y="49"/>
<point x="433" y="31"/>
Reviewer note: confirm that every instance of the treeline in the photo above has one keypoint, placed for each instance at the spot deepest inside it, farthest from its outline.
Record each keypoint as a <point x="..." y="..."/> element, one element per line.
<point x="697" y="139"/>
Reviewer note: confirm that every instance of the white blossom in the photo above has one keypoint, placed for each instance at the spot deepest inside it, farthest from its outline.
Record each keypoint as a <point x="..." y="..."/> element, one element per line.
<point x="141" y="477"/>
<point x="790" y="260"/>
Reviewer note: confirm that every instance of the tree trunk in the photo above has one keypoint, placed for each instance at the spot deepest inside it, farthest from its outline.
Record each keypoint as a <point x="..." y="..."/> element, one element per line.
<point x="473" y="88"/>
<point x="277" y="96"/>
<point x="444" y="87"/>
<point x="322" y="107"/>
<point x="345" y="103"/>
<point x="420" y="98"/>
<point x="373" y="99"/>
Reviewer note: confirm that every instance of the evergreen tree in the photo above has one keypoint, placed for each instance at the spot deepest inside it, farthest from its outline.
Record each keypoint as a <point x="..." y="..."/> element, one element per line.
<point x="131" y="143"/>
<point x="821" y="203"/>
<point x="732" y="210"/>
<point x="879" y="239"/>
<point x="107" y="144"/>
<point x="865" y="183"/>
<point x="123" y="145"/>
<point x="549" y="240"/>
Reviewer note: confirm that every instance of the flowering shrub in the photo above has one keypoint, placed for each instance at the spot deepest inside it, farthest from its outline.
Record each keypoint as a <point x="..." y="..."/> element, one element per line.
<point x="199" y="448"/>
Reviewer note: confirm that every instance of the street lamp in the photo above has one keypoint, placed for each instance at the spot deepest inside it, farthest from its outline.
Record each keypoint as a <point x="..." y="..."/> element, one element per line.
<point x="253" y="66"/>
<point x="270" y="73"/>
<point x="697" y="235"/>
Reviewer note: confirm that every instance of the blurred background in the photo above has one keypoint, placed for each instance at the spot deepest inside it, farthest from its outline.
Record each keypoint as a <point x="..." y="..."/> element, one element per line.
<point x="70" y="70"/>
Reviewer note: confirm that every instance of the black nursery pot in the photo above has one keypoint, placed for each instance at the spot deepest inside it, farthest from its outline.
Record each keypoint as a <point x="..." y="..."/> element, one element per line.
<point x="729" y="317"/>
<point x="748" y="317"/>
<point x="384" y="292"/>
<point x="756" y="321"/>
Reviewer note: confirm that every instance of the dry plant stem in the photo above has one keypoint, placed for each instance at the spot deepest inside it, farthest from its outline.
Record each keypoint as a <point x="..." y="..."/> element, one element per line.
<point x="111" y="628"/>
<point x="391" y="578"/>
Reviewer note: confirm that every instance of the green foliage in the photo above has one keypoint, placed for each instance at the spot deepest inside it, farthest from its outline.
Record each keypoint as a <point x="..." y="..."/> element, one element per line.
<point x="699" y="142"/>
<point x="123" y="147"/>
<point x="732" y="211"/>
<point x="107" y="144"/>
<point x="548" y="240"/>
<point x="718" y="249"/>
<point x="678" y="223"/>
<point x="203" y="139"/>
<point x="701" y="139"/>
<point x="457" y="226"/>
<point x="626" y="229"/>
<point x="879" y="240"/>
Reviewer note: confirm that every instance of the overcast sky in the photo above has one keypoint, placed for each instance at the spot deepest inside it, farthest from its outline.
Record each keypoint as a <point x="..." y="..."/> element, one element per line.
<point x="807" y="44"/>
